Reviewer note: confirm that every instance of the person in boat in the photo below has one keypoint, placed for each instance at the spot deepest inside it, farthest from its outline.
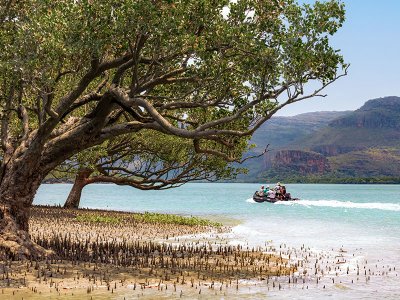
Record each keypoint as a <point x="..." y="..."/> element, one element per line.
<point x="261" y="191"/>
<point x="278" y="193"/>
<point x="283" y="192"/>
<point x="271" y="194"/>
<point x="285" y="195"/>
<point x="266" y="190"/>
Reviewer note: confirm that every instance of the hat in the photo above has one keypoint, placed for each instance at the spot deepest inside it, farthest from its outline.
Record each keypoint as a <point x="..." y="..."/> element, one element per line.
<point x="267" y="186"/>
<point x="278" y="183"/>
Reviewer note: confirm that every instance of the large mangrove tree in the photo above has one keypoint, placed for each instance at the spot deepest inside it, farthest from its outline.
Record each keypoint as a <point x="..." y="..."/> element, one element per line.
<point x="76" y="73"/>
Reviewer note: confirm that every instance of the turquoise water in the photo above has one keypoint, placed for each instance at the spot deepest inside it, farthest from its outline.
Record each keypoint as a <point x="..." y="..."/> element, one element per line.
<point x="363" y="219"/>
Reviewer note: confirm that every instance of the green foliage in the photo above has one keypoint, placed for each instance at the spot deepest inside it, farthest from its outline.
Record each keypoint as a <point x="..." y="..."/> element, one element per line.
<point x="281" y="41"/>
<point x="96" y="218"/>
<point x="251" y="54"/>
<point x="148" y="217"/>
<point x="148" y="151"/>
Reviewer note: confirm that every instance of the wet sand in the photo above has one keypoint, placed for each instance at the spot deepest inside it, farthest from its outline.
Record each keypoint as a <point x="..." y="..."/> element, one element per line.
<point x="107" y="254"/>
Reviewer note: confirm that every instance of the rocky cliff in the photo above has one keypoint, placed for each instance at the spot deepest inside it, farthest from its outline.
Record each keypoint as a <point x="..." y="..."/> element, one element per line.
<point x="301" y="162"/>
<point x="376" y="113"/>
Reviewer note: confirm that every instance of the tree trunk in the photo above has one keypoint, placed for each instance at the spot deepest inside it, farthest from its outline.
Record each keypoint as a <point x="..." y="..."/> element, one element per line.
<point x="18" y="187"/>
<point x="74" y="196"/>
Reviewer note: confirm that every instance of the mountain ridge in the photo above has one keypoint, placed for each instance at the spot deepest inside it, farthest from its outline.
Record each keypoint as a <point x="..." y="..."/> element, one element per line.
<point x="356" y="145"/>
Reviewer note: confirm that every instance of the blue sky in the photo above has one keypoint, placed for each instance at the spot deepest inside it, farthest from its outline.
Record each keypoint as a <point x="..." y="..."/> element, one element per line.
<point x="370" y="41"/>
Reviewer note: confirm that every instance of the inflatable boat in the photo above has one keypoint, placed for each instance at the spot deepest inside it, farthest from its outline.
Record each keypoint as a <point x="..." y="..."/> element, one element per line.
<point x="259" y="199"/>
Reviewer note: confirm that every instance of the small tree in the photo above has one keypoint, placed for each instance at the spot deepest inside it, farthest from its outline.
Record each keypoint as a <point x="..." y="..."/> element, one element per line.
<point x="74" y="74"/>
<point x="146" y="161"/>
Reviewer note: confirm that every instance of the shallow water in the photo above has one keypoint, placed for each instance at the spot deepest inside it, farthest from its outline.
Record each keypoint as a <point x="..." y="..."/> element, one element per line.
<point x="362" y="219"/>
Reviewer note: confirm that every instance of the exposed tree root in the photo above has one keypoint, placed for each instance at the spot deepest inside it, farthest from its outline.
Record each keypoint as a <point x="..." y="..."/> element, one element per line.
<point x="15" y="241"/>
<point x="18" y="245"/>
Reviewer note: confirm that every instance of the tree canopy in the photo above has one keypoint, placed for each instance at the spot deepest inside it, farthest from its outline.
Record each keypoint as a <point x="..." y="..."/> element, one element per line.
<point x="122" y="66"/>
<point x="147" y="160"/>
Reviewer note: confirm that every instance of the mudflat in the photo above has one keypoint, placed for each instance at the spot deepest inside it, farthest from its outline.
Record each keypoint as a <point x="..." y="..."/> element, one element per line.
<point x="101" y="254"/>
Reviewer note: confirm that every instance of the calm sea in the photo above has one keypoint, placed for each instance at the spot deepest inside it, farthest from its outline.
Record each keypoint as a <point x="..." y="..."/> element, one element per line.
<point x="362" y="219"/>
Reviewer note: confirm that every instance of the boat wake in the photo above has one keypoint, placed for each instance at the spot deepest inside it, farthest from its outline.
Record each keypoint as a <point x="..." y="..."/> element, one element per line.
<point x="250" y="200"/>
<point x="346" y="204"/>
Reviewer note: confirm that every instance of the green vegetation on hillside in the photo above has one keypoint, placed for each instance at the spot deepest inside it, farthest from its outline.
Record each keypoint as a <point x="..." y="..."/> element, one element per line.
<point x="329" y="178"/>
<point x="282" y="131"/>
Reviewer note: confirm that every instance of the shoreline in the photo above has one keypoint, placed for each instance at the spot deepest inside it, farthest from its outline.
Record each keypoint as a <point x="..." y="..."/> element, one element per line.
<point x="109" y="260"/>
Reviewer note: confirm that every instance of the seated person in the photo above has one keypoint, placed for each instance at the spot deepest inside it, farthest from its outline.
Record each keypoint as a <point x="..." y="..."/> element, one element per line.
<point x="283" y="192"/>
<point x="283" y="189"/>
<point x="278" y="191"/>
<point x="271" y="194"/>
<point x="266" y="190"/>
<point x="261" y="191"/>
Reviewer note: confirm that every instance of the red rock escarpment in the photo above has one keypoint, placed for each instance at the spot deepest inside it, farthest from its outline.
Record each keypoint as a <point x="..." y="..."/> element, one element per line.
<point x="303" y="162"/>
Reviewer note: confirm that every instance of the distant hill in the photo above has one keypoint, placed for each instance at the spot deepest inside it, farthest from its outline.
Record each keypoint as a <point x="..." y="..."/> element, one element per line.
<point x="279" y="132"/>
<point x="359" y="146"/>
<point x="375" y="124"/>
